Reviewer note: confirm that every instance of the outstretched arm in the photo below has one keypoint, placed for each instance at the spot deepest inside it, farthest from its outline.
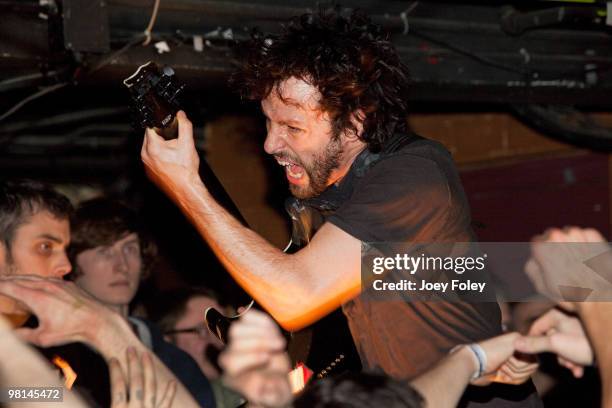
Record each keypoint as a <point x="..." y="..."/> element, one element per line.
<point x="66" y="314"/>
<point x="296" y="289"/>
<point x="444" y="384"/>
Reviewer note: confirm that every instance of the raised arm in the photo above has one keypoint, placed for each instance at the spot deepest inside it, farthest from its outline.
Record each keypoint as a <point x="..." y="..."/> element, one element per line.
<point x="295" y="289"/>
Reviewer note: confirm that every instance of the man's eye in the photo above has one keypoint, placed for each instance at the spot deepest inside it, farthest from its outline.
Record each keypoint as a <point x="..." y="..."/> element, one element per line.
<point x="293" y="129"/>
<point x="132" y="249"/>
<point x="45" y="247"/>
<point x="106" y="251"/>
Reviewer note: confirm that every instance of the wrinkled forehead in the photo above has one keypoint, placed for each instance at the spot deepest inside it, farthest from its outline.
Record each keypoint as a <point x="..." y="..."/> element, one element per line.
<point x="292" y="94"/>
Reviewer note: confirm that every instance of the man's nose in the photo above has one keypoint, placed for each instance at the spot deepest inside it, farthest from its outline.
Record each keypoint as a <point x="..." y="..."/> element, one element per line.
<point x="274" y="141"/>
<point x="62" y="268"/>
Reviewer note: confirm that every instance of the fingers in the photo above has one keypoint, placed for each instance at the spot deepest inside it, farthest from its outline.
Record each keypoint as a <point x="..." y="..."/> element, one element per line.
<point x="506" y="376"/>
<point x="534" y="344"/>
<point x="255" y="331"/>
<point x="498" y="350"/>
<point x="517" y="371"/>
<point x="150" y="389"/>
<point x="254" y="338"/>
<point x="234" y="363"/>
<point x="30" y="278"/>
<point x="592" y="235"/>
<point x="28" y="335"/>
<point x="521" y="365"/>
<point x="546" y="322"/>
<point x="135" y="377"/>
<point x="185" y="128"/>
<point x="118" y="385"/>
<point x="576" y="369"/>
<point x="168" y="396"/>
<point x="253" y="341"/>
<point x="21" y="293"/>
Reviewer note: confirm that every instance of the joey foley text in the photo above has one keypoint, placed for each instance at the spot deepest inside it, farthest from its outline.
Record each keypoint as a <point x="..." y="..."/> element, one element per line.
<point x="422" y="264"/>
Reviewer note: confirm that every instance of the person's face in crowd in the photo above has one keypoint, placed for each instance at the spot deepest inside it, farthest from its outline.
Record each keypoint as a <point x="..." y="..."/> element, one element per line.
<point x="111" y="273"/>
<point x="301" y="139"/>
<point x="198" y="342"/>
<point x="38" y="248"/>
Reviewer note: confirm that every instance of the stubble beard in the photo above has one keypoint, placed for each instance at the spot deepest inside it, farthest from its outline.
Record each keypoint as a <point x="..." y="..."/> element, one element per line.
<point x="319" y="171"/>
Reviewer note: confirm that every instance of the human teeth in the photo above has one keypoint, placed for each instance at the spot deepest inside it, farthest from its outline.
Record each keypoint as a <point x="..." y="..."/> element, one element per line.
<point x="294" y="175"/>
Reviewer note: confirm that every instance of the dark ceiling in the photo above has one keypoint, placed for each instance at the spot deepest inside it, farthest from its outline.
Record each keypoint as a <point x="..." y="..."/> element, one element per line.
<point x="64" y="113"/>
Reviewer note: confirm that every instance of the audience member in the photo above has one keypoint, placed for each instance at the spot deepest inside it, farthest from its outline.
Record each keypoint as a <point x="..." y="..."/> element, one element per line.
<point x="111" y="254"/>
<point x="180" y="315"/>
<point x="34" y="227"/>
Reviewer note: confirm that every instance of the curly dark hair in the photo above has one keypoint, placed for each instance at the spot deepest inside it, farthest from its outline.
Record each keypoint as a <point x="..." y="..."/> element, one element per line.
<point x="102" y="222"/>
<point x="350" y="61"/>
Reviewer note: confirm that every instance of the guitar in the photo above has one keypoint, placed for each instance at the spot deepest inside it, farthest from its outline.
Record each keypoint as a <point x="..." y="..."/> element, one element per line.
<point x="326" y="347"/>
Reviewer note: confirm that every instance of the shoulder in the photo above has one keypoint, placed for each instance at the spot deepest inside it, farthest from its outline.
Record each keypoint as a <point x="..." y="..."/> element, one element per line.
<point x="423" y="157"/>
<point x="419" y="169"/>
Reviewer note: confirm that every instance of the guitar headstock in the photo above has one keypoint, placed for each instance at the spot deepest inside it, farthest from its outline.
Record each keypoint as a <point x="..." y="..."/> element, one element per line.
<point x="155" y="95"/>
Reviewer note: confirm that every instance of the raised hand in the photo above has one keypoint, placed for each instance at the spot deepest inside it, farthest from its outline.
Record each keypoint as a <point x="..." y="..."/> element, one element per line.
<point x="255" y="363"/>
<point x="560" y="333"/>
<point x="571" y="265"/>
<point x="173" y="163"/>
<point x="141" y="389"/>
<point x="64" y="311"/>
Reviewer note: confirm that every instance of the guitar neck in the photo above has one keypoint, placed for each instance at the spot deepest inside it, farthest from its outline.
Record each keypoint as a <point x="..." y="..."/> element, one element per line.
<point x="213" y="184"/>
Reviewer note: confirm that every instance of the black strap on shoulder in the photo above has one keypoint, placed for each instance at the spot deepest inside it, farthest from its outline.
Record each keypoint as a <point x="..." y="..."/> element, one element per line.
<point x="400" y="140"/>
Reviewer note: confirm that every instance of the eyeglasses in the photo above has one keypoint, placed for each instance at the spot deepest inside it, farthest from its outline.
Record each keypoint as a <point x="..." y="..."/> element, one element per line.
<point x="202" y="331"/>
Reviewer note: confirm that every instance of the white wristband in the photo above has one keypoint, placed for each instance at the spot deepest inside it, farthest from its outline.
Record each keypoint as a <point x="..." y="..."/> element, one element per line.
<point x="481" y="356"/>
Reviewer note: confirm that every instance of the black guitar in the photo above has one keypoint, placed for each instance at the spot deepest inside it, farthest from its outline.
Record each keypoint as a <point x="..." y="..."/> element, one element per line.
<point x="326" y="347"/>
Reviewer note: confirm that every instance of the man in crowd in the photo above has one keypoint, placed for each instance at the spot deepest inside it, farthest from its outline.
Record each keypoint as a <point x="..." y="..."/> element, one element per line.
<point x="333" y="91"/>
<point x="111" y="254"/>
<point x="35" y="231"/>
<point x="180" y="315"/>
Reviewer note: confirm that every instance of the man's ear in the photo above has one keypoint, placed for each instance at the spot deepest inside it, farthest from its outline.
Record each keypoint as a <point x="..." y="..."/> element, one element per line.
<point x="357" y="119"/>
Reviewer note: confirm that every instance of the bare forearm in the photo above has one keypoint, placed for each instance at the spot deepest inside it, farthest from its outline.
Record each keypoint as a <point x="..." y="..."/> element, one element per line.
<point x="443" y="385"/>
<point x="279" y="282"/>
<point x="597" y="319"/>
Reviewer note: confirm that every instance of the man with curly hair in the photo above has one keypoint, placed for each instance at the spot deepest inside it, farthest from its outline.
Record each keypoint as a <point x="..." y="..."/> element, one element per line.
<point x="333" y="91"/>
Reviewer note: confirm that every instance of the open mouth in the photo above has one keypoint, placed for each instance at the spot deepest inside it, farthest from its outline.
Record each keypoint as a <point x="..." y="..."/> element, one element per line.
<point x="293" y="171"/>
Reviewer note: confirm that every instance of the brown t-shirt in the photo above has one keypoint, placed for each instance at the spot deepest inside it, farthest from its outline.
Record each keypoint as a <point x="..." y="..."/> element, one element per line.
<point x="413" y="195"/>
